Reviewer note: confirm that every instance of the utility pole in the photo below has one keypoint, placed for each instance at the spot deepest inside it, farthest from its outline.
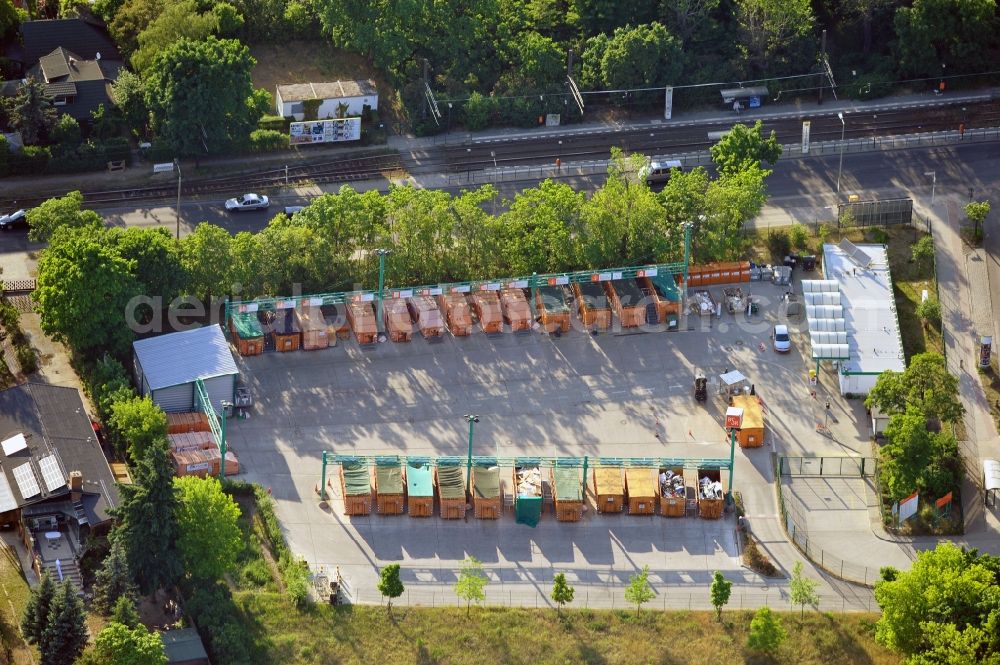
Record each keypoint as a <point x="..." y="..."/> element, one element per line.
<point x="933" y="176"/>
<point x="423" y="109"/>
<point x="822" y="50"/>
<point x="381" y="285"/>
<point x="473" y="419"/>
<point x="177" y="210"/>
<point x="840" y="169"/>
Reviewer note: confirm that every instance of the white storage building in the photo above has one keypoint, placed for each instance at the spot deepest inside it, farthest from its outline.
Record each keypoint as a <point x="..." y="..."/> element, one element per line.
<point x="355" y="94"/>
<point x="166" y="368"/>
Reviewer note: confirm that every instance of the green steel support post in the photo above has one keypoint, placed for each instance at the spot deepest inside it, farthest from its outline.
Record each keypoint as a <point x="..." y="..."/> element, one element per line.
<point x="468" y="467"/>
<point x="732" y="460"/>
<point x="222" y="462"/>
<point x="322" y="485"/>
<point x="381" y="286"/>
<point x="687" y="251"/>
<point x="584" y="477"/>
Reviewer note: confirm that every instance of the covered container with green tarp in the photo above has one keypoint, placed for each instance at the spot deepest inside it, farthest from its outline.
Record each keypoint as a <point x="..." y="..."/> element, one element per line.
<point x="389" y="486"/>
<point x="356" y="487"/>
<point x="420" y="488"/>
<point x="451" y="490"/>
<point x="527" y="492"/>
<point x="567" y="490"/>
<point x="486" y="500"/>
<point x="247" y="333"/>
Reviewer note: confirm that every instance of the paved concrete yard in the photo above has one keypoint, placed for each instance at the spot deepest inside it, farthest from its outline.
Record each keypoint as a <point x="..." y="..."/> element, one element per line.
<point x="606" y="395"/>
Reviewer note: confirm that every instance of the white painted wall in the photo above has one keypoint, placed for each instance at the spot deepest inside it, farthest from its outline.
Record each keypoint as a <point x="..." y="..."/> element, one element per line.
<point x="328" y="109"/>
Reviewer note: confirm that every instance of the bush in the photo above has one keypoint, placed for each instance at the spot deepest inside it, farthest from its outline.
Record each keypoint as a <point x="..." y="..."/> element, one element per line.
<point x="274" y="123"/>
<point x="27" y="359"/>
<point x="218" y="620"/>
<point x="929" y="312"/>
<point x="267" y="140"/>
<point x="256" y="574"/>
<point x="32" y="160"/>
<point x="779" y="245"/>
<point x="478" y="111"/>
<point x="798" y="236"/>
<point x="879" y="236"/>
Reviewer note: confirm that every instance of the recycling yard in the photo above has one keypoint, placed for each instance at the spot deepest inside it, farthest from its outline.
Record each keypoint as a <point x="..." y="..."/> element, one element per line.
<point x="625" y="393"/>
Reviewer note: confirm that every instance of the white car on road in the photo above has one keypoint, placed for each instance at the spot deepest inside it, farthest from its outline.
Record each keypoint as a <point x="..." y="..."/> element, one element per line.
<point x="782" y="342"/>
<point x="248" y="202"/>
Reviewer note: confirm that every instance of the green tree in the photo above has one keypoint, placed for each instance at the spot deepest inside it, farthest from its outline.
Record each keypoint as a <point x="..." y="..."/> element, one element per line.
<point x="743" y="146"/>
<point x="977" y="212"/>
<point x="923" y="253"/>
<point x="471" y="583"/>
<point x="773" y="32"/>
<point x="66" y="133"/>
<point x="802" y="589"/>
<point x="157" y="259"/>
<point x="643" y="56"/>
<point x="182" y="90"/>
<point x="638" y="592"/>
<point x="958" y="33"/>
<point x="65" y="635"/>
<point x="766" y="632"/>
<point x="130" y="19"/>
<point x="136" y="425"/>
<point x="10" y="18"/>
<point x="129" y="94"/>
<point x="124" y="612"/>
<point x="929" y="312"/>
<point x="730" y="201"/>
<point x="113" y="581"/>
<point x="947" y="603"/>
<point x="389" y="584"/>
<point x="298" y="17"/>
<point x="105" y="123"/>
<point x="31" y="111"/>
<point x="209" y="537"/>
<point x="540" y="62"/>
<point x="915" y="459"/>
<point x="539" y="230"/>
<point x="118" y="644"/>
<point x="926" y="384"/>
<point x="206" y="255"/>
<point x="562" y="591"/>
<point x="36" y="612"/>
<point x="690" y="20"/>
<point x="64" y="211"/>
<point x="720" y="590"/>
<point x="147" y="523"/>
<point x="177" y="21"/>
<point x="228" y="19"/>
<point x="82" y="285"/>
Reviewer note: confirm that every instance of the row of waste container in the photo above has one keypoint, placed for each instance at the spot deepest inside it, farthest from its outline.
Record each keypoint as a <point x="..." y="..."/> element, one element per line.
<point x="413" y="487"/>
<point x="303" y="325"/>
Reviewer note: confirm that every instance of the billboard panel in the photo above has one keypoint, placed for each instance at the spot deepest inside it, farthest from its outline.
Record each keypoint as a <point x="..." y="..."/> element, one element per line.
<point x="324" y="131"/>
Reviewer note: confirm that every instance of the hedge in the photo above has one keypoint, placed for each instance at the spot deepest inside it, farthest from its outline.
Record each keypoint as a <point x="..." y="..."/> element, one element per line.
<point x="88" y="156"/>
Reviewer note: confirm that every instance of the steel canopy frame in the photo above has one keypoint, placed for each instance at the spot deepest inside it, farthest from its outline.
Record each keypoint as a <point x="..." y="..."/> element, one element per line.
<point x="216" y="424"/>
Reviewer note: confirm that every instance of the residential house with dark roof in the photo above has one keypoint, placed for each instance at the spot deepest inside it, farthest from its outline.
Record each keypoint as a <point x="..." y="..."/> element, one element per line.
<point x="77" y="86"/>
<point x="56" y="486"/>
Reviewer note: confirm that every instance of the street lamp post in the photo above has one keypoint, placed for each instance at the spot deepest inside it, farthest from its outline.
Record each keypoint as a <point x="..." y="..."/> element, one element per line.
<point x="933" y="177"/>
<point x="840" y="169"/>
<point x="381" y="285"/>
<point x="177" y="210"/>
<point x="473" y="419"/>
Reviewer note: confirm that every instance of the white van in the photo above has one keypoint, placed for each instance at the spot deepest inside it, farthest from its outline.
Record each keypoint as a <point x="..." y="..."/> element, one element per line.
<point x="657" y="171"/>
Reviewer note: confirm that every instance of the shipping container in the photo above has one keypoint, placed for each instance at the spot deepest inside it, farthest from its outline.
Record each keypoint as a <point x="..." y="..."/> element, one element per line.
<point x="450" y="481"/>
<point x="627" y="302"/>
<point x="552" y="309"/>
<point x="592" y="305"/>
<point x="486" y="305"/>
<point x="425" y="312"/>
<point x="487" y="502"/>
<point x="397" y="320"/>
<point x="640" y="488"/>
<point x="389" y="487"/>
<point x="247" y="333"/>
<point x="457" y="313"/>
<point x="362" y="319"/>
<point x="419" y="488"/>
<point x="516" y="312"/>
<point x="356" y="488"/>
<point x="315" y="333"/>
<point x="672" y="491"/>
<point x="567" y="493"/>
<point x="609" y="489"/>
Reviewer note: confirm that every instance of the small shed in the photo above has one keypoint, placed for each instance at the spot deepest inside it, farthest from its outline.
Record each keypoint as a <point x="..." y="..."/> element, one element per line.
<point x="397" y="320"/>
<point x="337" y="98"/>
<point x="420" y="488"/>
<point x="592" y="305"/>
<point x="247" y="333"/>
<point x="751" y="434"/>
<point x="166" y="367"/>
<point x="425" y="312"/>
<point x="315" y="332"/>
<point x="362" y="319"/>
<point x="389" y="486"/>
<point x="183" y="646"/>
<point x="487" y="503"/>
<point x="486" y="305"/>
<point x="516" y="312"/>
<point x="356" y="488"/>
<point x="711" y="494"/>
<point x="672" y="491"/>
<point x="527" y="492"/>
<point x="991" y="480"/>
<point x="609" y="489"/>
<point x="879" y="422"/>
<point x="551" y="308"/>
<point x="567" y="491"/>
<point x="640" y="487"/>
<point x="627" y="302"/>
<point x="451" y="491"/>
<point x="456" y="312"/>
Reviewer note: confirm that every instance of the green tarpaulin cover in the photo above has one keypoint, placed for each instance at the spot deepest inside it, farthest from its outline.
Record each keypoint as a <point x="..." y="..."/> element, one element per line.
<point x="568" y="486"/>
<point x="247" y="326"/>
<point x="528" y="510"/>
<point x="450" y="482"/>
<point x="356" y="479"/>
<point x="666" y="287"/>
<point x="389" y="478"/>
<point x="486" y="480"/>
<point x="419" y="480"/>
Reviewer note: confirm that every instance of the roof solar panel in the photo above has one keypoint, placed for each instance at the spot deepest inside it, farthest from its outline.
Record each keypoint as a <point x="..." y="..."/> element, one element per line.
<point x="26" y="481"/>
<point x="51" y="473"/>
<point x="7" y="501"/>
<point x="855" y="253"/>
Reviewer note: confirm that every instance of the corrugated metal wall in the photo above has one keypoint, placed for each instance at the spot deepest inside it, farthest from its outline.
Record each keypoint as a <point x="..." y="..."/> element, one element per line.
<point x="220" y="388"/>
<point x="175" y="398"/>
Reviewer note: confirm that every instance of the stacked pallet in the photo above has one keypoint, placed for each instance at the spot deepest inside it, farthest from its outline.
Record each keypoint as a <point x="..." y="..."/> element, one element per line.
<point x="420" y="488"/>
<point x="456" y="313"/>
<point x="195" y="421"/>
<point x="550" y="304"/>
<point x="362" y="319"/>
<point x="427" y="315"/>
<point x="451" y="491"/>
<point x="592" y="305"/>
<point x="609" y="489"/>
<point x="389" y="487"/>
<point x="356" y="488"/>
<point x="247" y="333"/>
<point x="640" y="486"/>
<point x="315" y="333"/>
<point x="486" y="305"/>
<point x="191" y="441"/>
<point x="397" y="320"/>
<point x="568" y="493"/>
<point x="515" y="309"/>
<point x="203" y="463"/>
<point x="486" y="499"/>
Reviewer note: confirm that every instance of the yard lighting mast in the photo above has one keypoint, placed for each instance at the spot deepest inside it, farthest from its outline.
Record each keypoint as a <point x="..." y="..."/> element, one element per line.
<point x="840" y="169"/>
<point x="177" y="210"/>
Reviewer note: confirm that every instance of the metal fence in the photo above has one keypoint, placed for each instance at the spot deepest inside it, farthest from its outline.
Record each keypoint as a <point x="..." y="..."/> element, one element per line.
<point x="885" y="212"/>
<point x="861" y="467"/>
